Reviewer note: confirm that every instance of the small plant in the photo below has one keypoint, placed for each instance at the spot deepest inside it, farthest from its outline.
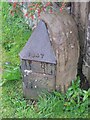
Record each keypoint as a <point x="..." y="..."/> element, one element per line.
<point x="49" y="105"/>
<point x="34" y="9"/>
<point x="12" y="73"/>
<point x="31" y="11"/>
<point x="73" y="104"/>
<point x="76" y="99"/>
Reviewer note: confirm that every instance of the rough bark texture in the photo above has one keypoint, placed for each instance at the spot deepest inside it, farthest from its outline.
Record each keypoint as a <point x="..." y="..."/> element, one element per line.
<point x="64" y="38"/>
<point x="86" y="59"/>
<point x="81" y="13"/>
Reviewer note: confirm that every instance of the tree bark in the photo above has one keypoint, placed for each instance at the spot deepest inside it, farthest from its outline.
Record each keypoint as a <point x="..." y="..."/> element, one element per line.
<point x="81" y="14"/>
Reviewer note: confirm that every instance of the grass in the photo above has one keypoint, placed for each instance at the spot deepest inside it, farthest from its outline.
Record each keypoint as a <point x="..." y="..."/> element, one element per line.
<point x="15" y="34"/>
<point x="14" y="105"/>
<point x="55" y="105"/>
<point x="73" y="104"/>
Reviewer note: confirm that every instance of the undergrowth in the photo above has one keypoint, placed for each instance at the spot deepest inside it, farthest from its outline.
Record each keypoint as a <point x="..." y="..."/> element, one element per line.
<point x="73" y="104"/>
<point x="15" y="33"/>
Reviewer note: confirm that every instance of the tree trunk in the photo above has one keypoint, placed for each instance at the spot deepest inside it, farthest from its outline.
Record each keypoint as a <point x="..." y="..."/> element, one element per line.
<point x="81" y="14"/>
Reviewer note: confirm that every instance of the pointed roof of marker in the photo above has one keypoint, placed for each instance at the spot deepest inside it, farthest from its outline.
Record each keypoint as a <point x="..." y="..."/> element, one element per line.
<point x="38" y="47"/>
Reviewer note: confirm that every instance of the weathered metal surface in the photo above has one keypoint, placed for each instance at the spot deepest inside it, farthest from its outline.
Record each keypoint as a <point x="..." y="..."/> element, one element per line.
<point x="42" y="81"/>
<point x="23" y="65"/>
<point x="37" y="67"/>
<point x="33" y="93"/>
<point x="27" y="64"/>
<point x="39" y="77"/>
<point x="50" y="69"/>
<point x="35" y="83"/>
<point x="38" y="47"/>
<point x="64" y="33"/>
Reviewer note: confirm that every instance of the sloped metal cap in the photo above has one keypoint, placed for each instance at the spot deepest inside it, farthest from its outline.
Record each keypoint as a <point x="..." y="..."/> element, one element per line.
<point x="38" y="47"/>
